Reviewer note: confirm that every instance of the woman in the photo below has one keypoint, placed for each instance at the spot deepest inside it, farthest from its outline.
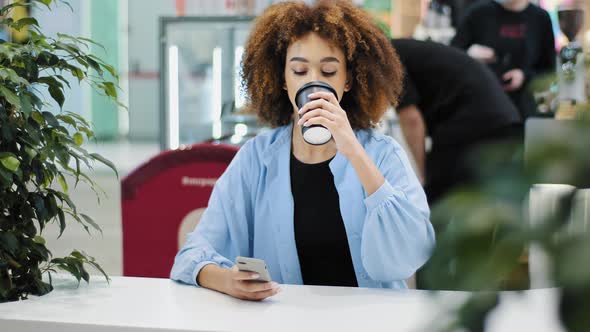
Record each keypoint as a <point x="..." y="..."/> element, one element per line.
<point x="350" y="212"/>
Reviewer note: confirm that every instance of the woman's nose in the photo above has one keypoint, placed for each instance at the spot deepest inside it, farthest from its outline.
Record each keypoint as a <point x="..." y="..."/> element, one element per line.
<point x="314" y="76"/>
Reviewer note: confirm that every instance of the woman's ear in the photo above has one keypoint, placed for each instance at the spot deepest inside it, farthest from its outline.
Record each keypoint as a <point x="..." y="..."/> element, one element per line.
<point x="348" y="83"/>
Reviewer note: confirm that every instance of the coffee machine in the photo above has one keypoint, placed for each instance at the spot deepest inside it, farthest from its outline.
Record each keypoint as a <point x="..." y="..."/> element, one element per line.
<point x="571" y="69"/>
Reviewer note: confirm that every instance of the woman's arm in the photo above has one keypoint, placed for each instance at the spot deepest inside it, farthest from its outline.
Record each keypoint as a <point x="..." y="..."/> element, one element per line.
<point x="222" y="232"/>
<point x="205" y="259"/>
<point x="370" y="176"/>
<point x="397" y="236"/>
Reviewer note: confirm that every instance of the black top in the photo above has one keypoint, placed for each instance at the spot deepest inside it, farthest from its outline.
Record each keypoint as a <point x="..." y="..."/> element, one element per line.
<point x="458" y="8"/>
<point x="459" y="98"/>
<point x="522" y="40"/>
<point x="320" y="236"/>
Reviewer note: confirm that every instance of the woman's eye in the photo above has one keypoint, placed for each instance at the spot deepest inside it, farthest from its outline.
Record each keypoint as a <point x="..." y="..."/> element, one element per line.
<point x="329" y="74"/>
<point x="299" y="73"/>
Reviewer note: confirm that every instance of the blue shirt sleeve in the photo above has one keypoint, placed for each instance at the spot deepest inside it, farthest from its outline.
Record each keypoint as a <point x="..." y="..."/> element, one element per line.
<point x="398" y="237"/>
<point x="222" y="232"/>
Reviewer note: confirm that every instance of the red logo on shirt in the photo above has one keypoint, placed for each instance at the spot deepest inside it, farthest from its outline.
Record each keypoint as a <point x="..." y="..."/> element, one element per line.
<point x="515" y="31"/>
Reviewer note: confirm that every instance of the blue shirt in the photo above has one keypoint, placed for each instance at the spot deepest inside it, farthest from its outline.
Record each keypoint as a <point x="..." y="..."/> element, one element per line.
<point x="250" y="213"/>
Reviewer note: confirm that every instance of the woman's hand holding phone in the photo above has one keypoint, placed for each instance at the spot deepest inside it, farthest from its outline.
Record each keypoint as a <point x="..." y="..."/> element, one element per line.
<point x="239" y="284"/>
<point x="244" y="285"/>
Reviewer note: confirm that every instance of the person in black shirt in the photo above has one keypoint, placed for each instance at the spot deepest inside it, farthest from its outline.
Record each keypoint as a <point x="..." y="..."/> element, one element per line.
<point x="515" y="38"/>
<point x="458" y="8"/>
<point x="458" y="103"/>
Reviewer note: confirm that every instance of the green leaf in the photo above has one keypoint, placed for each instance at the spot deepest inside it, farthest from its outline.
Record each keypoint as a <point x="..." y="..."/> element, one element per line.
<point x="65" y="197"/>
<point x="78" y="139"/>
<point x="26" y="104"/>
<point x="78" y="219"/>
<point x="77" y="255"/>
<point x="45" y="2"/>
<point x="91" y="261"/>
<point x="78" y="73"/>
<point x="98" y="267"/>
<point x="50" y="81"/>
<point x="50" y="118"/>
<point x="11" y="75"/>
<point x="39" y="239"/>
<point x="10" y="96"/>
<point x="7" y="21"/>
<point x="9" y="161"/>
<point x="79" y="118"/>
<point x="54" y="88"/>
<point x="68" y="47"/>
<point x="62" y="221"/>
<point x="9" y="242"/>
<point x="4" y="10"/>
<point x="105" y="161"/>
<point x="38" y="117"/>
<point x="47" y="59"/>
<point x="61" y="78"/>
<point x="63" y="130"/>
<point x="67" y="119"/>
<point x="6" y="177"/>
<point x="32" y="153"/>
<point x="18" y="25"/>
<point x="39" y="205"/>
<point x="111" y="70"/>
<point x="109" y="89"/>
<point x="63" y="182"/>
<point x="85" y="275"/>
<point x="71" y="268"/>
<point x="94" y="65"/>
<point x="81" y="40"/>
<point x="82" y="62"/>
<point x="77" y="172"/>
<point x="51" y="205"/>
<point x="89" y="133"/>
<point x="57" y="95"/>
<point x="37" y="102"/>
<point x="91" y="222"/>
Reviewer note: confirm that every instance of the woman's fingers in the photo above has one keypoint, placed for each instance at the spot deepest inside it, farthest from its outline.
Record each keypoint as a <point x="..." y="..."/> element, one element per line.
<point x="315" y="113"/>
<point x="257" y="291"/>
<point x="258" y="296"/>
<point x="319" y="120"/>
<point x="254" y="286"/>
<point x="241" y="285"/>
<point x="319" y="103"/>
<point x="330" y="97"/>
<point x="241" y="275"/>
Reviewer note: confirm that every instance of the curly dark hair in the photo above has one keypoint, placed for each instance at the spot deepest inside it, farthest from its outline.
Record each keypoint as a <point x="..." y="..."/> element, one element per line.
<point x="376" y="70"/>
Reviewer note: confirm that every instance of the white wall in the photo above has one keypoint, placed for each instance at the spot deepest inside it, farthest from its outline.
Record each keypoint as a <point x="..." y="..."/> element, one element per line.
<point x="143" y="66"/>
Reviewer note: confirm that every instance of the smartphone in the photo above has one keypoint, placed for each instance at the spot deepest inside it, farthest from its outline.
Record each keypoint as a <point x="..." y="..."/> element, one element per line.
<point x="248" y="264"/>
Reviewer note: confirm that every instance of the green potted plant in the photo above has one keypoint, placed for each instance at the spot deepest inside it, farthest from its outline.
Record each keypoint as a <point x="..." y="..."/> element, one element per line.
<point x="40" y="151"/>
<point x="483" y="234"/>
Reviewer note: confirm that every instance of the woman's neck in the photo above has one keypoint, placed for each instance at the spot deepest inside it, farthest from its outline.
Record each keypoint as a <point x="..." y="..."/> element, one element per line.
<point x="310" y="154"/>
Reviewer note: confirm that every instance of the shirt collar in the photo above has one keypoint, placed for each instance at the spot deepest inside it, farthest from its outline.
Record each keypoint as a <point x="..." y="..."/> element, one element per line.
<point x="282" y="142"/>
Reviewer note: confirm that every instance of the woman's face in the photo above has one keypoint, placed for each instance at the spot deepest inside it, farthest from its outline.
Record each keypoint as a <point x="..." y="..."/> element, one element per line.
<point x="312" y="58"/>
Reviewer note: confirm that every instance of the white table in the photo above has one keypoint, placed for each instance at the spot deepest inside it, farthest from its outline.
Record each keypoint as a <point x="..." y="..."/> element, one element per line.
<point x="142" y="304"/>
